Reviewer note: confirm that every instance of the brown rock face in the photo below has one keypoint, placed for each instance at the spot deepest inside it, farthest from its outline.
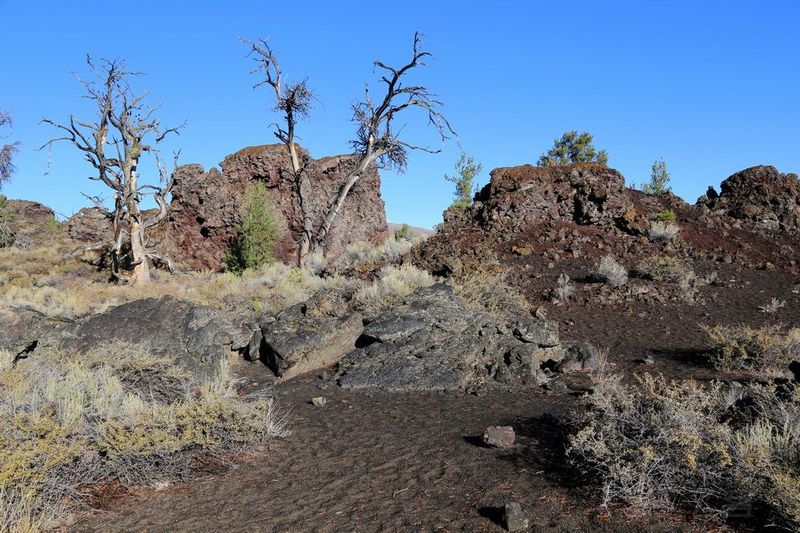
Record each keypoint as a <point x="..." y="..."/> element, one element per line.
<point x="587" y="194"/>
<point x="29" y="221"/>
<point x="89" y="225"/>
<point x="206" y="206"/>
<point x="524" y="199"/>
<point x="760" y="195"/>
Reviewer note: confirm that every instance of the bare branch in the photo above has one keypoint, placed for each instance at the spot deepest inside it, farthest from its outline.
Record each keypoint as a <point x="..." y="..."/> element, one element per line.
<point x="136" y="130"/>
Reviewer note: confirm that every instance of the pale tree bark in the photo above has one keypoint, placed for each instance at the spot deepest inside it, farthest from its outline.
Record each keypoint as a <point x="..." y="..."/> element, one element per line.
<point x="376" y="142"/>
<point x="116" y="159"/>
<point x="294" y="101"/>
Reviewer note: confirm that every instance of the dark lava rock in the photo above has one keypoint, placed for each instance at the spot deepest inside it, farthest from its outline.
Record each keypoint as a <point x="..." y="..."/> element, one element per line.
<point x="21" y="329"/>
<point x="297" y="342"/>
<point x="432" y="341"/>
<point x="199" y="337"/>
<point x="28" y="224"/>
<point x="206" y="206"/>
<point x="579" y="356"/>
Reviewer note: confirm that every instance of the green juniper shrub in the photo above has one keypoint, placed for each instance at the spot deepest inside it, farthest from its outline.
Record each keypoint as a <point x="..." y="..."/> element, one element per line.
<point x="258" y="232"/>
<point x="668" y="215"/>
<point x="403" y="233"/>
<point x="573" y="147"/>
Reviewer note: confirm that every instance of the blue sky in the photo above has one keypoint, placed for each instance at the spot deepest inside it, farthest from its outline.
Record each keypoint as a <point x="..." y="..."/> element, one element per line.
<point x="712" y="86"/>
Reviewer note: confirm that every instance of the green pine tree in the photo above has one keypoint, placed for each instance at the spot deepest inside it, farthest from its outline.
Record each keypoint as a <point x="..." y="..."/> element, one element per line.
<point x="573" y="147"/>
<point x="659" y="179"/>
<point x="258" y="231"/>
<point x="467" y="169"/>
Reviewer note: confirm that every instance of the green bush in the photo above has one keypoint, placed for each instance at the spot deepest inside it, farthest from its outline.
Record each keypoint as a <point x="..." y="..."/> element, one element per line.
<point x="403" y="233"/>
<point x="258" y="233"/>
<point x="573" y="147"/>
<point x="667" y="215"/>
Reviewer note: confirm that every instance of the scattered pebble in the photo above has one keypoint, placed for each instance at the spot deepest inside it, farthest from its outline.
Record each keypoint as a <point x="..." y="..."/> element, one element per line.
<point x="319" y="401"/>
<point x="557" y="385"/>
<point x="499" y="436"/>
<point x="648" y="360"/>
<point x="513" y="517"/>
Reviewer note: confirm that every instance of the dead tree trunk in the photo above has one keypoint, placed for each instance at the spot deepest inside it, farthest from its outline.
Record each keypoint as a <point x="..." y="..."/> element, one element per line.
<point x="376" y="142"/>
<point x="132" y="122"/>
<point x="294" y="101"/>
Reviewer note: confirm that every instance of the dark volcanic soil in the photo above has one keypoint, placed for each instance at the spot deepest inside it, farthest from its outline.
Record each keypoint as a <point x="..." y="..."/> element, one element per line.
<point x="388" y="462"/>
<point x="410" y="462"/>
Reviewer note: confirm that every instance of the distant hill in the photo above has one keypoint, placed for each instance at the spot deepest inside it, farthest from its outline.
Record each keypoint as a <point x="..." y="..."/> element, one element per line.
<point x="422" y="232"/>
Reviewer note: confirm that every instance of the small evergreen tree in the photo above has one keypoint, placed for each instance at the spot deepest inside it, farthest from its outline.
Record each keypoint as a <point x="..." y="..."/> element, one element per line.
<point x="573" y="147"/>
<point x="467" y="169"/>
<point x="403" y="233"/>
<point x="659" y="179"/>
<point x="258" y="232"/>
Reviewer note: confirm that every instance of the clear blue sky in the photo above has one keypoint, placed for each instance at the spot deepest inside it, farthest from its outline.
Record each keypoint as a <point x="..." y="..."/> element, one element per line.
<point x="710" y="86"/>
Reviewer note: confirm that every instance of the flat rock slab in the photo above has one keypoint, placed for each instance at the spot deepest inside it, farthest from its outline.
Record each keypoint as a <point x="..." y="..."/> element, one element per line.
<point x="22" y="328"/>
<point x="432" y="341"/>
<point x="299" y="341"/>
<point x="199" y="337"/>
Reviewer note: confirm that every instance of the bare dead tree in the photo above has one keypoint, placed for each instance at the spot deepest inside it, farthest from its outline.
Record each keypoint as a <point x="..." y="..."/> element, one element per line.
<point x="377" y="140"/>
<point x="294" y="101"/>
<point x="125" y="129"/>
<point x="7" y="151"/>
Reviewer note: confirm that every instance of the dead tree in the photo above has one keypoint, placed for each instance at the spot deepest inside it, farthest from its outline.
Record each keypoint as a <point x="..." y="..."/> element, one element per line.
<point x="294" y="101"/>
<point x="7" y="151"/>
<point x="125" y="129"/>
<point x="377" y="141"/>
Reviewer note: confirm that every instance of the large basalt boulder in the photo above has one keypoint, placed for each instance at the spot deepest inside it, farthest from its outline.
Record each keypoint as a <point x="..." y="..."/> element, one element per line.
<point x="582" y="193"/>
<point x="527" y="199"/>
<point x="90" y="225"/>
<point x="93" y="226"/>
<point x="199" y="337"/>
<point x="206" y="206"/>
<point x="759" y="195"/>
<point x="432" y="341"/>
<point x="299" y="341"/>
<point x="21" y="329"/>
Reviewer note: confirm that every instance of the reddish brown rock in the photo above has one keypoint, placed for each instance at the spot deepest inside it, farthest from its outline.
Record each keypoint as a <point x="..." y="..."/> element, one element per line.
<point x="587" y="194"/>
<point x="519" y="201"/>
<point x="758" y="195"/>
<point x="206" y="206"/>
<point x="89" y="225"/>
<point x="29" y="221"/>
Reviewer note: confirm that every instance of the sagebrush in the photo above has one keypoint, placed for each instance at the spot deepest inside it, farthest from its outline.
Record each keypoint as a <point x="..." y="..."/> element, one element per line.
<point x="718" y="448"/>
<point x="116" y="414"/>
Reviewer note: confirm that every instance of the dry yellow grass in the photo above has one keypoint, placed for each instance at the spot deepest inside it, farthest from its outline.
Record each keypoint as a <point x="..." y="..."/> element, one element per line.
<point x="114" y="414"/>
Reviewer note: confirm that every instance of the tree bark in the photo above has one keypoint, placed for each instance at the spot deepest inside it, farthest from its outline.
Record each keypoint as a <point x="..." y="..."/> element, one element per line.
<point x="141" y="267"/>
<point x="344" y="191"/>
